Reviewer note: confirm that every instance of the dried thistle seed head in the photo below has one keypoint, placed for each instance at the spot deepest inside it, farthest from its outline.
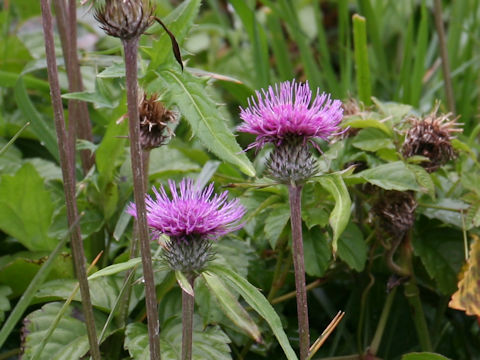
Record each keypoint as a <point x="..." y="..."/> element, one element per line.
<point x="154" y="121"/>
<point x="291" y="162"/>
<point x="125" y="19"/>
<point x="188" y="255"/>
<point x="431" y="137"/>
<point x="396" y="212"/>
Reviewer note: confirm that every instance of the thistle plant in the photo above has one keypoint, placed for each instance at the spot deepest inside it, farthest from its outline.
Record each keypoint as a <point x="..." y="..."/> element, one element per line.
<point x="191" y="218"/>
<point x="286" y="116"/>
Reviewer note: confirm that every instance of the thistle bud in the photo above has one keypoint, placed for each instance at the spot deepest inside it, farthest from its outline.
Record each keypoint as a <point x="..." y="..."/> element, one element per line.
<point x="154" y="120"/>
<point x="431" y="137"/>
<point x="291" y="162"/>
<point x="188" y="255"/>
<point x="125" y="19"/>
<point x="396" y="212"/>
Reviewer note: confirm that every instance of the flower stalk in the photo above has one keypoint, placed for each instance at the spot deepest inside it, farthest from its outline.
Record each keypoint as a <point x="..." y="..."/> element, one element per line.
<point x="68" y="171"/>
<point x="295" y="195"/>
<point x="131" y="51"/>
<point x="188" y="304"/>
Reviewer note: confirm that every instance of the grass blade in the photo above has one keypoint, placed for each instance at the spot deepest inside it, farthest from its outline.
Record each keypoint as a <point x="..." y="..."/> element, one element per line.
<point x="361" y="59"/>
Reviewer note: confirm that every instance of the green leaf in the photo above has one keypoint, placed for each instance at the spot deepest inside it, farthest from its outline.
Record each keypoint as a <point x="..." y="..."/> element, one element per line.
<point x="316" y="251"/>
<point x="315" y="216"/>
<point x="259" y="303"/>
<point x="96" y="98"/>
<point x="184" y="283"/>
<point x="188" y="93"/>
<point x="441" y="252"/>
<point x="5" y="291"/>
<point x="372" y="139"/>
<point x="360" y="123"/>
<point x="26" y="209"/>
<point x="423" y="178"/>
<point x="209" y="343"/>
<point x="69" y="340"/>
<point x="352" y="248"/>
<point x="116" y="268"/>
<point x="391" y="176"/>
<point x="361" y="59"/>
<point x="165" y="160"/>
<point x="423" y="356"/>
<point x="44" y="132"/>
<point x="341" y="212"/>
<point x="231" y="307"/>
<point x="275" y="222"/>
<point x="179" y="22"/>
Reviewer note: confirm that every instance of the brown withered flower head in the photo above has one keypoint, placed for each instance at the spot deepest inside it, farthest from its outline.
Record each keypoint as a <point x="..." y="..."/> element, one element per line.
<point x="396" y="212"/>
<point x="431" y="137"/>
<point x="154" y="120"/>
<point x="125" y="19"/>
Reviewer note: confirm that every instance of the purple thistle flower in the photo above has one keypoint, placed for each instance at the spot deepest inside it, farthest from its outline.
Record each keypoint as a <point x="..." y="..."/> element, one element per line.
<point x="192" y="213"/>
<point x="286" y="112"/>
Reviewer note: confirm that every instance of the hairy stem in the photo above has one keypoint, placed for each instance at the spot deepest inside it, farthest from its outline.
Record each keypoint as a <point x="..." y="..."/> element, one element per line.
<point x="188" y="303"/>
<point x="79" y="121"/>
<point x="131" y="52"/>
<point x="295" y="194"/>
<point x="68" y="167"/>
<point x="444" y="55"/>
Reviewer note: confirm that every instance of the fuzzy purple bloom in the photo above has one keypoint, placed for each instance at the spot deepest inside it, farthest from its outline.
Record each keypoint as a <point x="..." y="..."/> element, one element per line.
<point x="192" y="213"/>
<point x="286" y="112"/>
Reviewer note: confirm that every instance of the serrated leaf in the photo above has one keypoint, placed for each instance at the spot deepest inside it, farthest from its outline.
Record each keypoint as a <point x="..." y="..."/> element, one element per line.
<point x="372" y="139"/>
<point x="259" y="303"/>
<point x="188" y="93"/>
<point x="391" y="176"/>
<point x="209" y="343"/>
<point x="275" y="222"/>
<point x="26" y="209"/>
<point x="467" y="297"/>
<point x="316" y="251"/>
<point x="179" y="22"/>
<point x="69" y="340"/>
<point x="472" y="219"/>
<point x="340" y="214"/>
<point x="231" y="307"/>
<point x="352" y="248"/>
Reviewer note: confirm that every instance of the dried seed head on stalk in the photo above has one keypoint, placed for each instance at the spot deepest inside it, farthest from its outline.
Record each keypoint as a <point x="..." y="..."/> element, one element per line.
<point x="154" y="121"/>
<point x="125" y="19"/>
<point x="396" y="212"/>
<point x="431" y="137"/>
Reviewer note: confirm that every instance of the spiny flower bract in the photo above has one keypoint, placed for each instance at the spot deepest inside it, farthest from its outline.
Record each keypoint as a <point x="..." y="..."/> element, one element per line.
<point x="192" y="213"/>
<point x="287" y="111"/>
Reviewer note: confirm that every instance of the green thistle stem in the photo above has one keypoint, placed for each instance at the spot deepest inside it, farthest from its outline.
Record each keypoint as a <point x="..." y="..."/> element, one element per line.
<point x="295" y="194"/>
<point x="131" y="52"/>
<point x="188" y="304"/>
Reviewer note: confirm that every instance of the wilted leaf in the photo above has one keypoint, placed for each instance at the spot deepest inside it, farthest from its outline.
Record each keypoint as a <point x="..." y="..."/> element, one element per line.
<point x="467" y="297"/>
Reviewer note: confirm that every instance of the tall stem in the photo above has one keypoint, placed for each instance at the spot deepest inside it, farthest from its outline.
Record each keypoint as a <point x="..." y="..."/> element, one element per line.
<point x="131" y="51"/>
<point x="295" y="194"/>
<point x="68" y="166"/>
<point x="188" y="303"/>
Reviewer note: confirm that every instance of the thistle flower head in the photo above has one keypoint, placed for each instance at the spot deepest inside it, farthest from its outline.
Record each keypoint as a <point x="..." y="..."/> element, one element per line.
<point x="125" y="19"/>
<point x="287" y="111"/>
<point x="192" y="213"/>
<point x="154" y="120"/>
<point x="431" y="137"/>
